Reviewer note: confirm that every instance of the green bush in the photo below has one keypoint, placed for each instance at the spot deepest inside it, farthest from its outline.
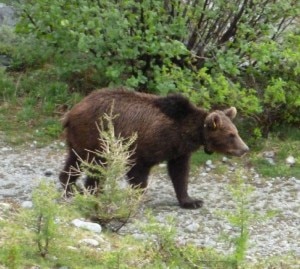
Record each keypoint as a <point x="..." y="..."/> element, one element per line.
<point x="7" y="87"/>
<point x="244" y="53"/>
<point x="165" y="252"/>
<point x="10" y="255"/>
<point x="109" y="201"/>
<point x="43" y="217"/>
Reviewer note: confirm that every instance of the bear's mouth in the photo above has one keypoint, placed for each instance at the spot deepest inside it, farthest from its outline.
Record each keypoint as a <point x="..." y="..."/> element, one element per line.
<point x="237" y="153"/>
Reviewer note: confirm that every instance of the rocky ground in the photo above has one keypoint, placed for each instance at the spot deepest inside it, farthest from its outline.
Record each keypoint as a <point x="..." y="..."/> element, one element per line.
<point x="22" y="167"/>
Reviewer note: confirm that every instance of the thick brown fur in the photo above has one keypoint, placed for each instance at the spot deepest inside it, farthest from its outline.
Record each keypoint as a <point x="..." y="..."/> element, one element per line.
<point x="168" y="128"/>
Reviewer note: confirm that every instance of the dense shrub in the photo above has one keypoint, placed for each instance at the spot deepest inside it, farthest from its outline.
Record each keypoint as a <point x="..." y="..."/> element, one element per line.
<point x="217" y="52"/>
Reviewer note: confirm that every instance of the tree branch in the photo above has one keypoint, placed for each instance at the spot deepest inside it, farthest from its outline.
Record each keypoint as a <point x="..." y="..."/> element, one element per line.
<point x="233" y="26"/>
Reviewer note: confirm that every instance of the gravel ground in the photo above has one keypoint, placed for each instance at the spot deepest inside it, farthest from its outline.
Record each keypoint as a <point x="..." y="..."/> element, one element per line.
<point x="20" y="168"/>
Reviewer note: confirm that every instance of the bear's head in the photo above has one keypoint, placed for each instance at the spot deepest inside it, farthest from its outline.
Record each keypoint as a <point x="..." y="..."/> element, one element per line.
<point x="221" y="135"/>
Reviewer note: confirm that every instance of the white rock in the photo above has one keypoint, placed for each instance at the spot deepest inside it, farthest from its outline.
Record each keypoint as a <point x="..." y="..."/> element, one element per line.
<point x="270" y="161"/>
<point x="232" y="168"/>
<point x="89" y="242"/>
<point x="256" y="176"/>
<point x="139" y="236"/>
<point x="208" y="163"/>
<point x="72" y="248"/>
<point x="123" y="184"/>
<point x="162" y="165"/>
<point x="4" y="207"/>
<point x="193" y="227"/>
<point x="269" y="184"/>
<point x="227" y="227"/>
<point x="224" y="159"/>
<point x="90" y="226"/>
<point x="290" y="160"/>
<point x="27" y="204"/>
<point x="269" y="154"/>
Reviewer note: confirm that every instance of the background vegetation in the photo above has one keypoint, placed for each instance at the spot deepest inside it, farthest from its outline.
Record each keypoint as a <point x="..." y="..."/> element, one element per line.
<point x="219" y="53"/>
<point x="244" y="53"/>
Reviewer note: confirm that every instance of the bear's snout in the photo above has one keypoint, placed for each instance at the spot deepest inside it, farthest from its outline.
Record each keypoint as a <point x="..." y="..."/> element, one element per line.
<point x="240" y="150"/>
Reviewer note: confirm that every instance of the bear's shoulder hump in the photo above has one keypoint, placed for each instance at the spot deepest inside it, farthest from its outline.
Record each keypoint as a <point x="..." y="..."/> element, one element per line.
<point x="175" y="106"/>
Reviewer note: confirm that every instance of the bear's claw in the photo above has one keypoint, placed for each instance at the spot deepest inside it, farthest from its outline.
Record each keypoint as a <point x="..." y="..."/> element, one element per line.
<point x="192" y="204"/>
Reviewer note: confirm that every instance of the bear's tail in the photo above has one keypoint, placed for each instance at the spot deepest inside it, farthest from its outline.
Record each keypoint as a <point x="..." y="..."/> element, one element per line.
<point x="65" y="120"/>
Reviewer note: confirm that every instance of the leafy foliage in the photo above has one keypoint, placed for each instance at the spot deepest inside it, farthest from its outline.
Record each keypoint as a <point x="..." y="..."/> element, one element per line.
<point x="240" y="218"/>
<point x="282" y="150"/>
<point x="218" y="53"/>
<point x="7" y="88"/>
<point x="43" y="217"/>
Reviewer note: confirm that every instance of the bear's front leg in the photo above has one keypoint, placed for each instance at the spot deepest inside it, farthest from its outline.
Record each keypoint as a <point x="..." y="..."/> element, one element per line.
<point x="179" y="170"/>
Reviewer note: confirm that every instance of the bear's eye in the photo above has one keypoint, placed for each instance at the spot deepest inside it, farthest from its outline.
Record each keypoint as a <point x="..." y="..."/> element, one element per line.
<point x="231" y="135"/>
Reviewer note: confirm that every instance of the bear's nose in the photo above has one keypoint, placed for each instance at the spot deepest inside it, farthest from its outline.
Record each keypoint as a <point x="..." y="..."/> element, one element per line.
<point x="244" y="150"/>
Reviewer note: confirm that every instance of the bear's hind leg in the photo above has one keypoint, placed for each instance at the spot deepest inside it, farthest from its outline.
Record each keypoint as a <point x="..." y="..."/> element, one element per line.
<point x="69" y="174"/>
<point x="91" y="184"/>
<point x="138" y="175"/>
<point x="95" y="179"/>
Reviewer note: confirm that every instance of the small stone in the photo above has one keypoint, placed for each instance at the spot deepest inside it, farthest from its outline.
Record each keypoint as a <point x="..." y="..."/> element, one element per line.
<point x="48" y="173"/>
<point x="269" y="184"/>
<point x="139" y="236"/>
<point x="5" y="207"/>
<point x="224" y="159"/>
<point x="227" y="227"/>
<point x="123" y="184"/>
<point x="27" y="204"/>
<point x="232" y="168"/>
<point x="72" y="248"/>
<point x="193" y="227"/>
<point x="208" y="163"/>
<point x="90" y="226"/>
<point x="207" y="169"/>
<point x="89" y="242"/>
<point x="269" y="154"/>
<point x="290" y="160"/>
<point x="270" y="161"/>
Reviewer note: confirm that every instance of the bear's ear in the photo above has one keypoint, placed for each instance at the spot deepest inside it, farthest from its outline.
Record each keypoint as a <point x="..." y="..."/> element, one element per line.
<point x="213" y="121"/>
<point x="230" y="112"/>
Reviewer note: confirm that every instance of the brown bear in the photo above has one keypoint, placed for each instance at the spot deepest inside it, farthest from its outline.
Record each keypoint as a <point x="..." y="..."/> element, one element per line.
<point x="168" y="129"/>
